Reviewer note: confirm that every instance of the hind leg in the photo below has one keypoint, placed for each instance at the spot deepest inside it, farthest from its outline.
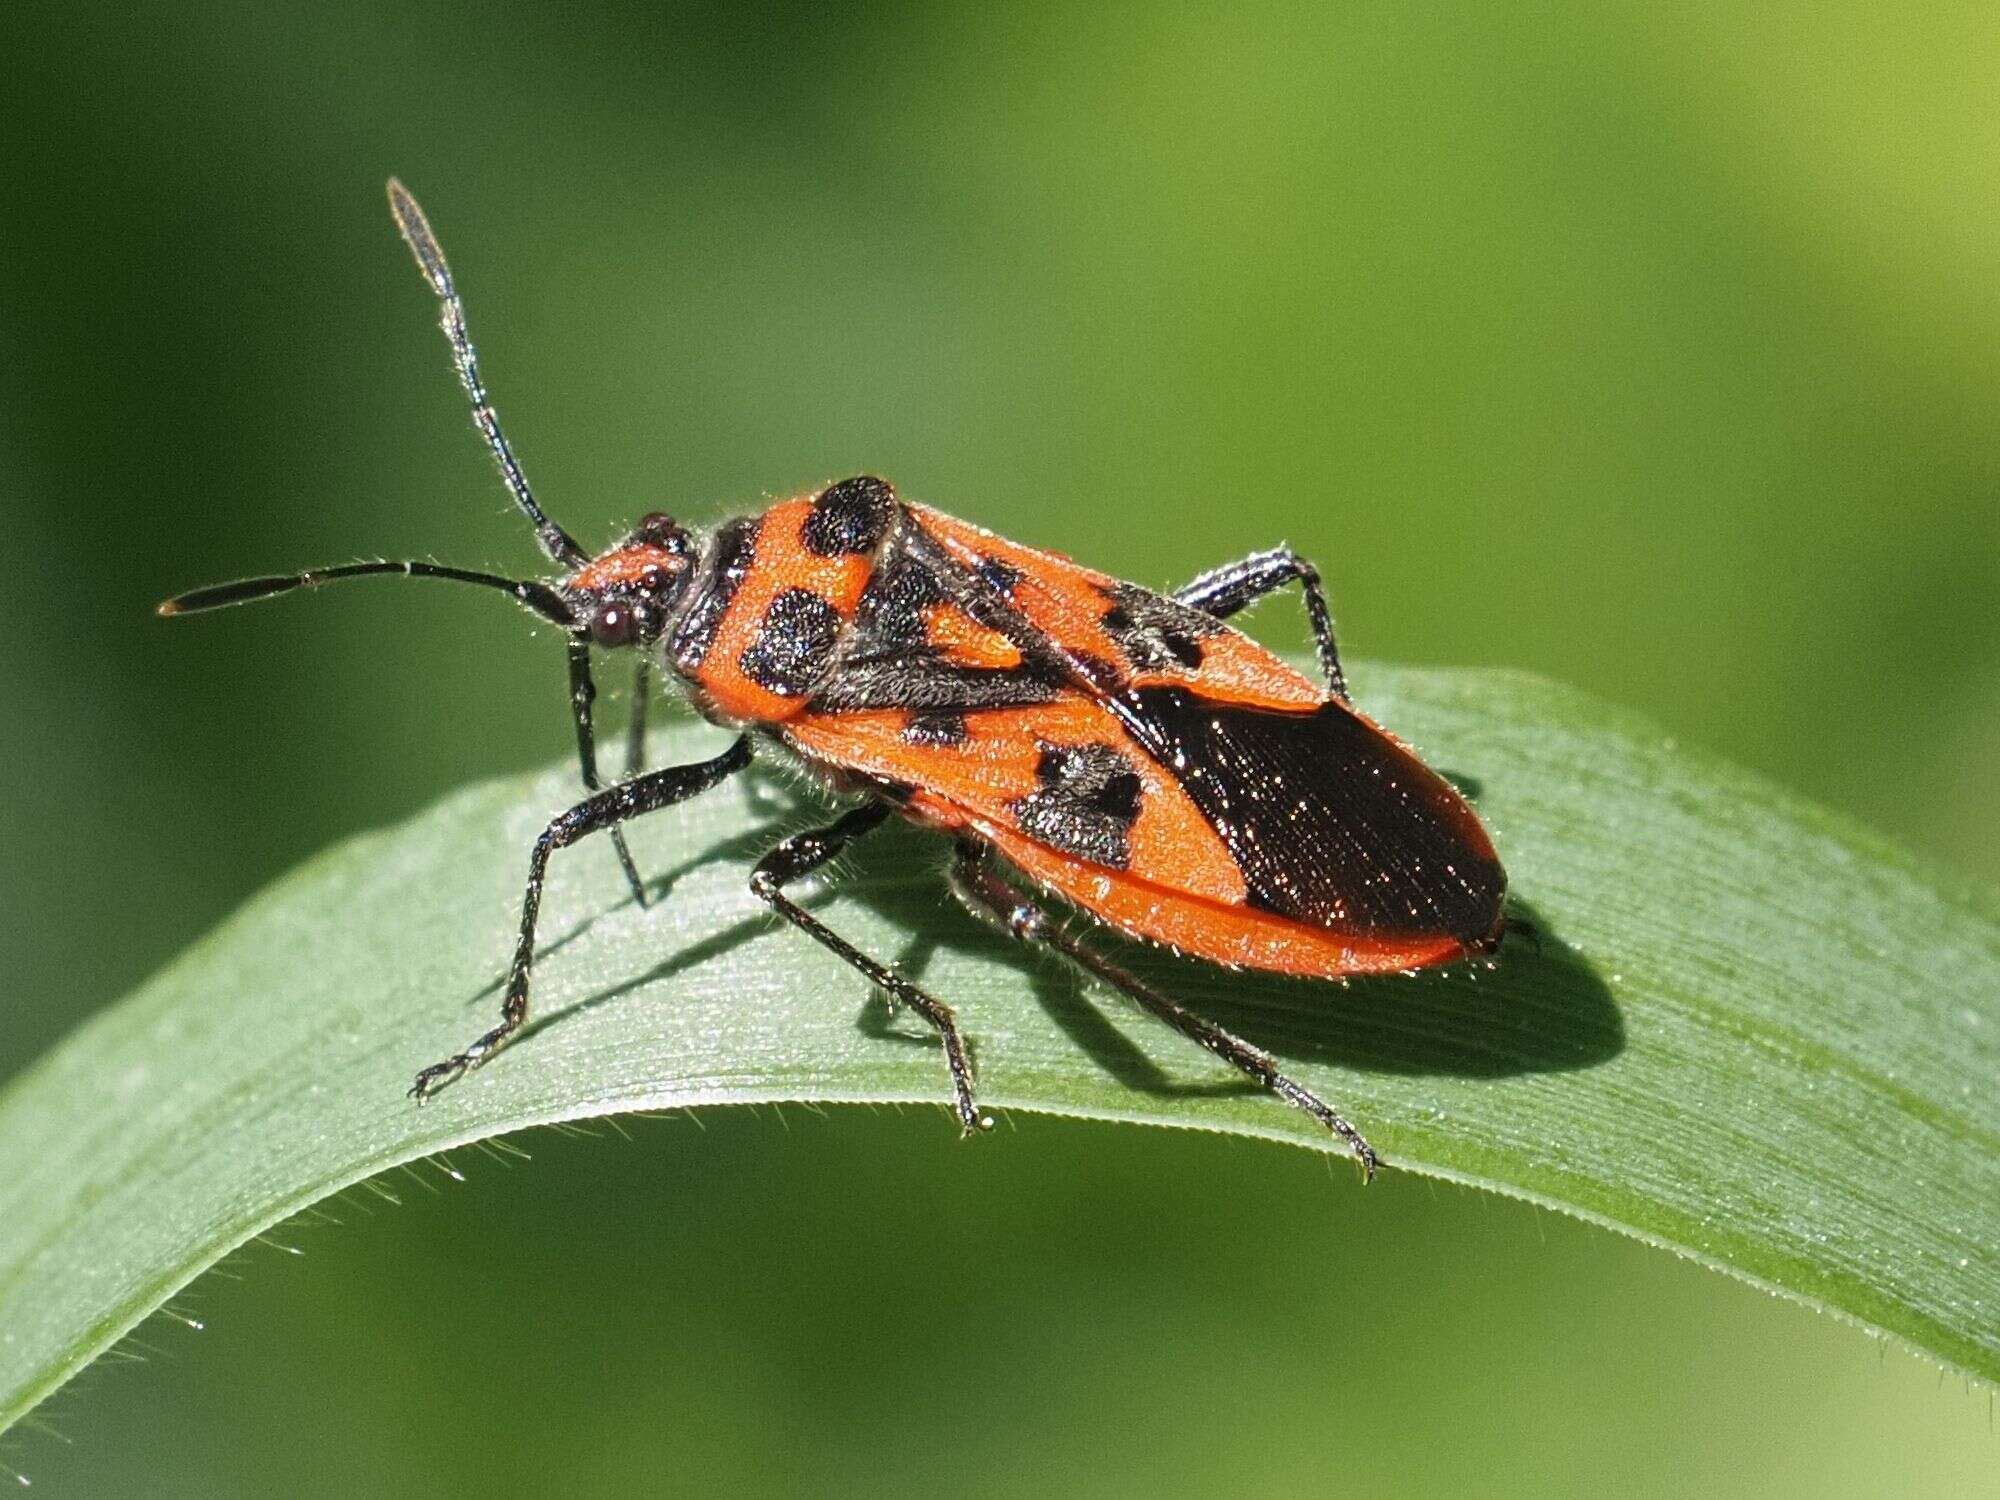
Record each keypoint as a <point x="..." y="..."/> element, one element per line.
<point x="988" y="895"/>
<point x="1225" y="590"/>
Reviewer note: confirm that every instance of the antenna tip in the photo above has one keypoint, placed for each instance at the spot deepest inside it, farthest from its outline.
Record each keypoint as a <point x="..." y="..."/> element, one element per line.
<point x="416" y="232"/>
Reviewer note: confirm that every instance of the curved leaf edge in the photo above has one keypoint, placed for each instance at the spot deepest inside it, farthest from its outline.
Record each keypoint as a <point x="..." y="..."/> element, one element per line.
<point x="1859" y="1307"/>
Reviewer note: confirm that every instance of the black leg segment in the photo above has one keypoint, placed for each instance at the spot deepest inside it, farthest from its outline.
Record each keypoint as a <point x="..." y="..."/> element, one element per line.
<point x="1223" y="591"/>
<point x="606" y="809"/>
<point x="635" y="728"/>
<point x="803" y="853"/>
<point x="987" y="895"/>
<point x="582" y="694"/>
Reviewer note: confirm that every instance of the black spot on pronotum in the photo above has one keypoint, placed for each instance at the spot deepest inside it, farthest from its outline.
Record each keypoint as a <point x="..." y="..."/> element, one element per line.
<point x="793" y="645"/>
<point x="849" y="517"/>
<point x="1085" y="805"/>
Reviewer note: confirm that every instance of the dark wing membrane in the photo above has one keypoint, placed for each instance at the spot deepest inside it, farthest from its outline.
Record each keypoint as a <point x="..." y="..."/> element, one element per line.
<point x="1330" y="820"/>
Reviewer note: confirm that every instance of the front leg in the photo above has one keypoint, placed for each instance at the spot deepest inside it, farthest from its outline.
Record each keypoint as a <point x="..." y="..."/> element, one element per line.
<point x="607" y="809"/>
<point x="635" y="728"/>
<point x="583" y="693"/>
<point x="1223" y="591"/>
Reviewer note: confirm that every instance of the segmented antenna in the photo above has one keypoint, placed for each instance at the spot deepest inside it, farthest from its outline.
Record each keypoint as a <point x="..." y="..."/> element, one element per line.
<point x="559" y="544"/>
<point x="538" y="597"/>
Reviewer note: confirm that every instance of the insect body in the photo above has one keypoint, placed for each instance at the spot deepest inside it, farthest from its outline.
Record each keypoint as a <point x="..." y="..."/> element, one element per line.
<point x="1126" y="751"/>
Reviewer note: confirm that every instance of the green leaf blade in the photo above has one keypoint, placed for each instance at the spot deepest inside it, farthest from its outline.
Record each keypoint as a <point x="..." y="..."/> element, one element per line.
<point x="1752" y="1033"/>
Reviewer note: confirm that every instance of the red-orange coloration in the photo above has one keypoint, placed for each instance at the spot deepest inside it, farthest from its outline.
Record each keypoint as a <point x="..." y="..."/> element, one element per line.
<point x="1179" y="883"/>
<point x="965" y="642"/>
<point x="1067" y="600"/>
<point x="1223" y="934"/>
<point x="627" y="564"/>
<point x="972" y="785"/>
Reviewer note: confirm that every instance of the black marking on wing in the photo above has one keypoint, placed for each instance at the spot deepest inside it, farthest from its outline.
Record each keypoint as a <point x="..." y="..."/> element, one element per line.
<point x="923" y="684"/>
<point x="849" y="517"/>
<point x="936" y="728"/>
<point x="886" y="661"/>
<point x="794" y="643"/>
<point x="976" y="590"/>
<point x="891" y="613"/>
<point x="1156" y="632"/>
<point x="999" y="576"/>
<point x="1330" y="821"/>
<point x="1085" y="805"/>
<point x="731" y="555"/>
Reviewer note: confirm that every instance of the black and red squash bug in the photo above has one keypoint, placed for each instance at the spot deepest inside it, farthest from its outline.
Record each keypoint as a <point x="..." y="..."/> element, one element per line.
<point x="1077" y="736"/>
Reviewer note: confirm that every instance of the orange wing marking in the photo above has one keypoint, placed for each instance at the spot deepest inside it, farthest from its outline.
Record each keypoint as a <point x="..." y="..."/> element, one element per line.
<point x="1067" y="602"/>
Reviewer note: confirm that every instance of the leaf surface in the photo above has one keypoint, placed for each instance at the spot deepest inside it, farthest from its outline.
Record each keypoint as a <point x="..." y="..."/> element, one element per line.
<point x="1751" y="1032"/>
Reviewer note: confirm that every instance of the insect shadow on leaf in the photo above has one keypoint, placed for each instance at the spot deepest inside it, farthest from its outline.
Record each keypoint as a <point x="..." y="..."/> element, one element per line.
<point x="1545" y="1009"/>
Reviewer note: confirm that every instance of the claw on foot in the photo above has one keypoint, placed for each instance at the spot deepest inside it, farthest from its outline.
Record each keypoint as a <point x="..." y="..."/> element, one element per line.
<point x="436" y="1076"/>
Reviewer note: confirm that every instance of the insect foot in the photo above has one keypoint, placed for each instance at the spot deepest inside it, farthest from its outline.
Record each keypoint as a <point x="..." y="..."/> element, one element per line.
<point x="438" y="1075"/>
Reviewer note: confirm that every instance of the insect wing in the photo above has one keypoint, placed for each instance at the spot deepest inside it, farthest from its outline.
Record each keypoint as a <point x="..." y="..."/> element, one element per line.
<point x="1149" y="763"/>
<point x="1120" y="635"/>
<point x="1333" y="822"/>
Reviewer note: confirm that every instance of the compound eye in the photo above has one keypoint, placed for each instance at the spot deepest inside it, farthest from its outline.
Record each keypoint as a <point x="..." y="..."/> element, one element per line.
<point x="614" y="625"/>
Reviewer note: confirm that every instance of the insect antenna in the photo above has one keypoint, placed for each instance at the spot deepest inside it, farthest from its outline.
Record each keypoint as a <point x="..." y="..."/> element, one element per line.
<point x="559" y="544"/>
<point x="538" y="597"/>
<point x="535" y="596"/>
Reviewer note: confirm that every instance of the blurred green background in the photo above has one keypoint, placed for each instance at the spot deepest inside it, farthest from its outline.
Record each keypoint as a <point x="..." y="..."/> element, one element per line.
<point x="1654" y="349"/>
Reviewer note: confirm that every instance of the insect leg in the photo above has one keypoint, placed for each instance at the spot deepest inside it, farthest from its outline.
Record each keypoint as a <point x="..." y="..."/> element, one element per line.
<point x="583" y="693"/>
<point x="986" y="894"/>
<point x="635" y="730"/>
<point x="606" y="809"/>
<point x="803" y="853"/>
<point x="1223" y="591"/>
